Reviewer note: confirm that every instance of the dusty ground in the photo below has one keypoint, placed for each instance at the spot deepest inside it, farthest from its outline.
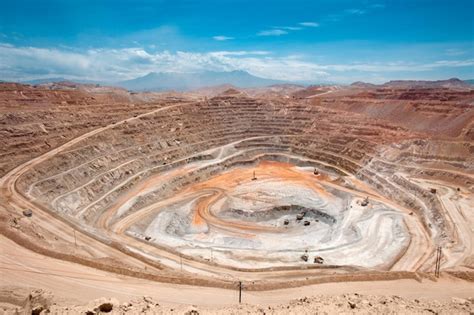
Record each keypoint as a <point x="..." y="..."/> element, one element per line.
<point x="328" y="303"/>
<point x="74" y="286"/>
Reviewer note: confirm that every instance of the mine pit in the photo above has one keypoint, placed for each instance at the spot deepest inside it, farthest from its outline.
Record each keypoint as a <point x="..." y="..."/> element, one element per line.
<point x="266" y="190"/>
<point x="274" y="219"/>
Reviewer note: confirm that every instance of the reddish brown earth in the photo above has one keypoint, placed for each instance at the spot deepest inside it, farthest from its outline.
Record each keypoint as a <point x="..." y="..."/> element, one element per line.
<point x="34" y="120"/>
<point x="159" y="187"/>
<point x="440" y="112"/>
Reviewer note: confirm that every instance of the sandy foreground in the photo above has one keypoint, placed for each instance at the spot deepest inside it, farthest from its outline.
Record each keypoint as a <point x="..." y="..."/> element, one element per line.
<point x="63" y="287"/>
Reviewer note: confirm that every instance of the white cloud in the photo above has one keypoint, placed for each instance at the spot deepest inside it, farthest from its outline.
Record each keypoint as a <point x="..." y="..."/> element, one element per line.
<point x="222" y="38"/>
<point x="109" y="65"/>
<point x="290" y="28"/>
<point x="240" y="53"/>
<point x="452" y="63"/>
<point x="274" y="32"/>
<point x="309" y="24"/>
<point x="283" y="30"/>
<point x="356" y="11"/>
<point x="398" y="66"/>
<point x="25" y="63"/>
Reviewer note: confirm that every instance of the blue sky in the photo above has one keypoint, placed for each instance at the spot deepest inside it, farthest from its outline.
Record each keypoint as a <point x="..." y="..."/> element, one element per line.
<point x="310" y="41"/>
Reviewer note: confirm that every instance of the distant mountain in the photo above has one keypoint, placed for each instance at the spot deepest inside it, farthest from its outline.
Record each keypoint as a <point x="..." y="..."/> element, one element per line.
<point x="361" y="84"/>
<point x="58" y="80"/>
<point x="190" y="81"/>
<point x="450" y="83"/>
<point x="453" y="82"/>
<point x="43" y="81"/>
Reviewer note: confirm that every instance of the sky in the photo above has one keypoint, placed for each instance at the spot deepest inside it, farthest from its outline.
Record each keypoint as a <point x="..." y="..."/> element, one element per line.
<point x="318" y="41"/>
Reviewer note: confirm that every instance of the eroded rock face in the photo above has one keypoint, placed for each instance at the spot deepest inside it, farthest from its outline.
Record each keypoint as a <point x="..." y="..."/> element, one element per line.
<point x="36" y="119"/>
<point x="38" y="302"/>
<point x="221" y="181"/>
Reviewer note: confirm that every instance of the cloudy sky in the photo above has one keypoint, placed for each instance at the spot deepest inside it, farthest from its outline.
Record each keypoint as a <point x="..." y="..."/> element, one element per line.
<point x="306" y="41"/>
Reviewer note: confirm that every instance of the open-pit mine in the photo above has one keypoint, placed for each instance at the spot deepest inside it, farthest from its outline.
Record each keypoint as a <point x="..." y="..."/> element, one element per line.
<point x="273" y="188"/>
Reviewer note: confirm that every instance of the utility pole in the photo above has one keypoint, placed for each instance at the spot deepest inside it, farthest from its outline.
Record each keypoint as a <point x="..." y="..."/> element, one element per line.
<point x="75" y="240"/>
<point x="438" y="261"/>
<point x="181" y="261"/>
<point x="240" y="292"/>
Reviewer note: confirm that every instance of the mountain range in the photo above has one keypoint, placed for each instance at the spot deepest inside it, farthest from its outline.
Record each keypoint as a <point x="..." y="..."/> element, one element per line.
<point x="165" y="81"/>
<point x="189" y="81"/>
<point x="450" y="83"/>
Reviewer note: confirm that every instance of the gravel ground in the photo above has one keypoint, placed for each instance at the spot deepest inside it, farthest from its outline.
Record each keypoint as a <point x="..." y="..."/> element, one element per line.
<point x="43" y="302"/>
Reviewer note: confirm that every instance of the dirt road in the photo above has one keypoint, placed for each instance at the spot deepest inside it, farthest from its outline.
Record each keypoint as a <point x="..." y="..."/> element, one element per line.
<point x="20" y="267"/>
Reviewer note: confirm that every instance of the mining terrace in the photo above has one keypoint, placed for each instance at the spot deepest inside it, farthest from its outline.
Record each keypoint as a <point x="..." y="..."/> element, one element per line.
<point x="274" y="189"/>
